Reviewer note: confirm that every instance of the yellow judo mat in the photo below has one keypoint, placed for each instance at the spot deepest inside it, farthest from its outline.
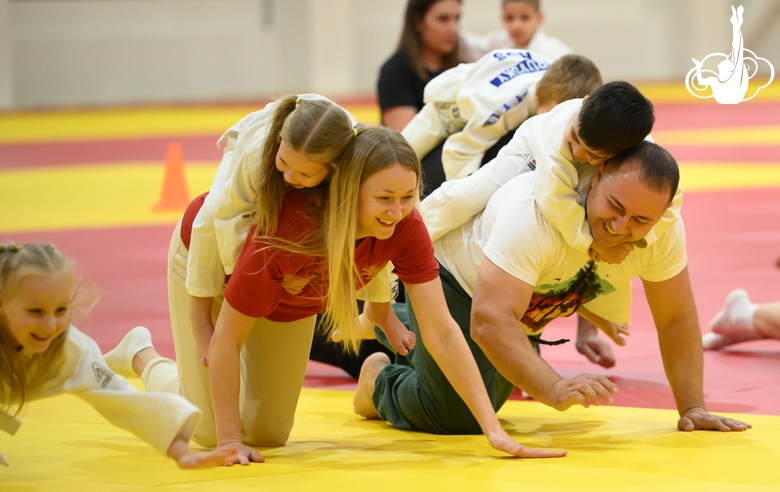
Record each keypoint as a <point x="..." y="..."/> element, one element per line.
<point x="65" y="445"/>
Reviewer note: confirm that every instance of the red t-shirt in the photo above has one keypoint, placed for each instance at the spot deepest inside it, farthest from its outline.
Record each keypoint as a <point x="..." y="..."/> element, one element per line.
<point x="189" y="217"/>
<point x="255" y="288"/>
<point x="409" y="248"/>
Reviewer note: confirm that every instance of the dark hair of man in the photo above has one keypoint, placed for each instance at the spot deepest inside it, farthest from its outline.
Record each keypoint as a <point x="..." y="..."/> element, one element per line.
<point x="658" y="170"/>
<point x="615" y="117"/>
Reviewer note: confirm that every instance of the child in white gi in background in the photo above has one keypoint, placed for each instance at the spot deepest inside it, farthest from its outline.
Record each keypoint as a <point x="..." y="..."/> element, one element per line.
<point x="573" y="138"/>
<point x="522" y="30"/>
<point x="472" y="106"/>
<point x="44" y="355"/>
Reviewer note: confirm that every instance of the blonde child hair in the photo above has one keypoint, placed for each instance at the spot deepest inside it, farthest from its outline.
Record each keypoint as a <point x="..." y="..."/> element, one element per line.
<point x="21" y="376"/>
<point x="373" y="150"/>
<point x="317" y="128"/>
<point x="569" y="77"/>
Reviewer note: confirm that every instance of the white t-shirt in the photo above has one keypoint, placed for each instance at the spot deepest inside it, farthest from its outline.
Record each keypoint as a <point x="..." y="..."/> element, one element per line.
<point x="514" y="235"/>
<point x="542" y="141"/>
<point x="473" y="105"/>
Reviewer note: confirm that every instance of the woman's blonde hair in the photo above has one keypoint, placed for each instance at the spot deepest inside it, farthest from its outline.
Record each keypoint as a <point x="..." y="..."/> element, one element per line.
<point x="20" y="375"/>
<point x="317" y="128"/>
<point x="373" y="150"/>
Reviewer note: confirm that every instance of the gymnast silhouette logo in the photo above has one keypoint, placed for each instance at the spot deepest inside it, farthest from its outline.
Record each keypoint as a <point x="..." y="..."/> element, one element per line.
<point x="730" y="84"/>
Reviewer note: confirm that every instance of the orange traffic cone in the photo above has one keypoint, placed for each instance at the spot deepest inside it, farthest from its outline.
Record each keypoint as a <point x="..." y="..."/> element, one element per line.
<point x="174" y="195"/>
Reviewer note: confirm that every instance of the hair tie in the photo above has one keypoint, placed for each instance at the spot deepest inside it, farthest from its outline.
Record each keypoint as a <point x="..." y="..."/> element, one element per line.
<point x="297" y="102"/>
<point x="354" y="131"/>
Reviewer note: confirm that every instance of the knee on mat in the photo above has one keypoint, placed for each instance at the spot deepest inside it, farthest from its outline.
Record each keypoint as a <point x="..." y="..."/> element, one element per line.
<point x="268" y="438"/>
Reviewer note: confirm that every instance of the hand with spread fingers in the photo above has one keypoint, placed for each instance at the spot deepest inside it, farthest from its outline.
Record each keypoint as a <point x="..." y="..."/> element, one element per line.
<point x="697" y="418"/>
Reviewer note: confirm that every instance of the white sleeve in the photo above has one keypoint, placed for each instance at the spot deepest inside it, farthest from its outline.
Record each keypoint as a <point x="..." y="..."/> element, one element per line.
<point x="556" y="182"/>
<point x="463" y="152"/>
<point x="156" y="418"/>
<point x="206" y="267"/>
<point x="425" y="131"/>
<point x="233" y="215"/>
<point x="556" y="178"/>
<point x="458" y="201"/>
<point x="205" y="273"/>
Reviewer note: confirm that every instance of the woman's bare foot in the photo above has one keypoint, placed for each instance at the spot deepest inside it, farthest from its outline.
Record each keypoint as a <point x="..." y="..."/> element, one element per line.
<point x="363" y="402"/>
<point x="143" y="358"/>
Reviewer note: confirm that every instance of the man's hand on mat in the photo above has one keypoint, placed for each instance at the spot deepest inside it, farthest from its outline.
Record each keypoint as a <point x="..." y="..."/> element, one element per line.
<point x="244" y="456"/>
<point x="697" y="418"/>
<point x="583" y="389"/>
<point x="501" y="441"/>
<point x="187" y="459"/>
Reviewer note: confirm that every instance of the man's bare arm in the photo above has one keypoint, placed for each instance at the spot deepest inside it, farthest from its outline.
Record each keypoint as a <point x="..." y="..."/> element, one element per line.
<point x="500" y="301"/>
<point x="674" y="313"/>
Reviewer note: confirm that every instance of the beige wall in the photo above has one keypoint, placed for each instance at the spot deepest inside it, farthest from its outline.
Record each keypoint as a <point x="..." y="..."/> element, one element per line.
<point x="93" y="52"/>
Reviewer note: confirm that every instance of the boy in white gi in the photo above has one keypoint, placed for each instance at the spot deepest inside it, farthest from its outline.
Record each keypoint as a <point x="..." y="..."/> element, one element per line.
<point x="472" y="106"/>
<point x="522" y="30"/>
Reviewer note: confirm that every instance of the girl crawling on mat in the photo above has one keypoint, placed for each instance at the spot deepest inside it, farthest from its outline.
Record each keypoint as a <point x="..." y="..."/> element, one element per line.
<point x="260" y="345"/>
<point x="42" y="355"/>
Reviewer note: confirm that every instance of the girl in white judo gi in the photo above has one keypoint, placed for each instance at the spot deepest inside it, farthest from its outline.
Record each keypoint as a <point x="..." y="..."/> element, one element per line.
<point x="44" y="355"/>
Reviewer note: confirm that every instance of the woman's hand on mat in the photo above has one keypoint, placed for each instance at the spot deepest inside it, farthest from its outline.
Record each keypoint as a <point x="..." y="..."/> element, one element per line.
<point x="583" y="389"/>
<point x="501" y="441"/>
<point x="244" y="454"/>
<point x="697" y="418"/>
<point x="187" y="459"/>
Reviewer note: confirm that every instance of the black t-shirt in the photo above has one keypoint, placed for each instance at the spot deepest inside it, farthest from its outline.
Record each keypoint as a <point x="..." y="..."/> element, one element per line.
<point x="399" y="84"/>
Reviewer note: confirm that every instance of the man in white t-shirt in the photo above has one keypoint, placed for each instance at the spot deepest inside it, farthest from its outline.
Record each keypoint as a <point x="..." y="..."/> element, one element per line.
<point x="521" y="273"/>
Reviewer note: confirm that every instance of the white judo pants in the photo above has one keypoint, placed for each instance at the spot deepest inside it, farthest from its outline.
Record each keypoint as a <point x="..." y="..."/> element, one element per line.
<point x="273" y="365"/>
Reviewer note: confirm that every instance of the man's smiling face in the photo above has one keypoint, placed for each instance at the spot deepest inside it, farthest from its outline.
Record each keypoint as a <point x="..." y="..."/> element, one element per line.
<point x="621" y="207"/>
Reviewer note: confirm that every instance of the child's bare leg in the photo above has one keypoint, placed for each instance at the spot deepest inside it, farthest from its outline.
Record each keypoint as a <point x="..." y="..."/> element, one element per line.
<point x="363" y="402"/>
<point x="766" y="320"/>
<point x="143" y="358"/>
<point x="610" y="328"/>
<point x="365" y="329"/>
<point x="383" y="315"/>
<point x="591" y="346"/>
<point x="734" y="323"/>
<point x="401" y="339"/>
